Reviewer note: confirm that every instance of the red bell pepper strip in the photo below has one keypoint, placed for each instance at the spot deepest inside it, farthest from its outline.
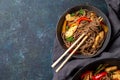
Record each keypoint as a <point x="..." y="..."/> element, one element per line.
<point x="99" y="76"/>
<point x="84" y="74"/>
<point x="82" y="19"/>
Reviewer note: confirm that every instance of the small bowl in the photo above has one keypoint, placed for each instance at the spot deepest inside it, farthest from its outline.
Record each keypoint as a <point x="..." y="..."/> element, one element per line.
<point x="95" y="64"/>
<point x="74" y="9"/>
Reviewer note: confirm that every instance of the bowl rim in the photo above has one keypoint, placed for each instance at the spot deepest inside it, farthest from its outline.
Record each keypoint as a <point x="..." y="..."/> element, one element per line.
<point x="93" y="62"/>
<point x="108" y="36"/>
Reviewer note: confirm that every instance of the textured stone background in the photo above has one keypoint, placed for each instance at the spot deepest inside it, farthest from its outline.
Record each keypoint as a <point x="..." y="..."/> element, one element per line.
<point x="27" y="32"/>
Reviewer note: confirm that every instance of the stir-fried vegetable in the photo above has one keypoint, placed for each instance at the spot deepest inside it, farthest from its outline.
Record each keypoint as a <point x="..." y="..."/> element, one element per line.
<point x="64" y="27"/>
<point x="73" y="14"/>
<point x="99" y="76"/>
<point x="100" y="68"/>
<point x="98" y="39"/>
<point x="81" y="11"/>
<point x="116" y="75"/>
<point x="104" y="27"/>
<point x="84" y="74"/>
<point x="87" y="75"/>
<point x="113" y="68"/>
<point x="70" y="39"/>
<point x="82" y="19"/>
<point x="69" y="17"/>
<point x="70" y="31"/>
<point x="102" y="72"/>
<point x="67" y="27"/>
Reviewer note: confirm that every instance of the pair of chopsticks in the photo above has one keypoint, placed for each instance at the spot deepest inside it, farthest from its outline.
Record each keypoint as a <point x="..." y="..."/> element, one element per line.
<point x="83" y="37"/>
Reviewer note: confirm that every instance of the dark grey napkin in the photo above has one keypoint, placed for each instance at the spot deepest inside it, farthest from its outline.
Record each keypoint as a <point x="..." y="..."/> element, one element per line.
<point x="113" y="49"/>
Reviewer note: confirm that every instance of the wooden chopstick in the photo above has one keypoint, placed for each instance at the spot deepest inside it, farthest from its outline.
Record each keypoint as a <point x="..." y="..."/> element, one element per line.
<point x="62" y="56"/>
<point x="70" y="55"/>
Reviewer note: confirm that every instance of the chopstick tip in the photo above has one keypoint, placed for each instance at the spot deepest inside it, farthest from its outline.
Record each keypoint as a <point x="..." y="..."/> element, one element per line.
<point x="52" y="66"/>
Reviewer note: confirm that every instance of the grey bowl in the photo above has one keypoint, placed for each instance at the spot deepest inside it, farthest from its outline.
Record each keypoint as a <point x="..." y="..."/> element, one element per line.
<point x="76" y="8"/>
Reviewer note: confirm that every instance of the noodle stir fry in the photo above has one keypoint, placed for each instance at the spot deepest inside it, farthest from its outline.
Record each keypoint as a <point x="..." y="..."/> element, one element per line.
<point x="88" y="22"/>
<point x="103" y="72"/>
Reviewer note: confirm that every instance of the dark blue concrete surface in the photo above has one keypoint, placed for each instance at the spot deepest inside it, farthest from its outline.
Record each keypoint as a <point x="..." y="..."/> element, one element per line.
<point x="27" y="32"/>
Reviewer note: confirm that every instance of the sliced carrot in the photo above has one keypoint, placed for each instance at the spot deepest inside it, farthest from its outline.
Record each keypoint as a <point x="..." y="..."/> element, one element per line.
<point x="74" y="24"/>
<point x="64" y="27"/>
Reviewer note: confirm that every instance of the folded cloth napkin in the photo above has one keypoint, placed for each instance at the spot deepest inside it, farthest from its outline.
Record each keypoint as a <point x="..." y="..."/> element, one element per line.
<point x="113" y="49"/>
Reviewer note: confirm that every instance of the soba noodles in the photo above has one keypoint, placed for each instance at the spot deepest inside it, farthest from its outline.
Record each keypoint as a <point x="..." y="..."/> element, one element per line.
<point x="88" y="22"/>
